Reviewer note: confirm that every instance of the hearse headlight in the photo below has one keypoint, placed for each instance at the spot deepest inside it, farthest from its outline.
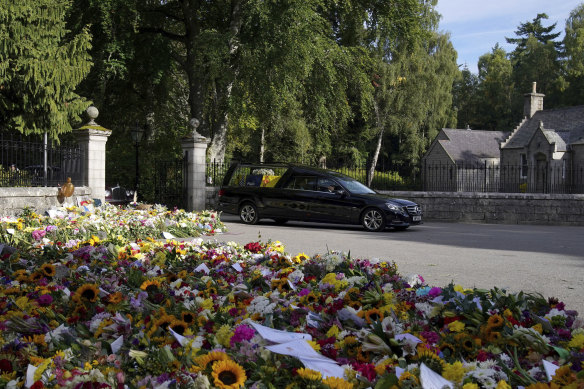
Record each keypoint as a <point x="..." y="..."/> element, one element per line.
<point x="393" y="207"/>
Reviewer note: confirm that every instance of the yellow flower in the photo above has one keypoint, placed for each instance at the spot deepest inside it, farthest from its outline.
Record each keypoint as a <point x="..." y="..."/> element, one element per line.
<point x="150" y="285"/>
<point x="458" y="288"/>
<point x="224" y="335"/>
<point x="203" y="360"/>
<point x="538" y="327"/>
<point x="300" y="258"/>
<point x="309" y="374"/>
<point x="333" y="331"/>
<point x="454" y="372"/>
<point x="577" y="341"/>
<point x="503" y="385"/>
<point x="314" y="345"/>
<point x="337" y="383"/>
<point x="470" y="385"/>
<point x="87" y="292"/>
<point x="456" y="326"/>
<point x="228" y="375"/>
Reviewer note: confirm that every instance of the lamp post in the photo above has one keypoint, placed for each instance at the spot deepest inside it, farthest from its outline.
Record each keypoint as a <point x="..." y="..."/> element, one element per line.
<point x="137" y="134"/>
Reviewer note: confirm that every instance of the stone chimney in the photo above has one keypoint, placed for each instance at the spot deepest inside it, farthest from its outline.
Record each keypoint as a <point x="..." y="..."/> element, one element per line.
<point x="533" y="102"/>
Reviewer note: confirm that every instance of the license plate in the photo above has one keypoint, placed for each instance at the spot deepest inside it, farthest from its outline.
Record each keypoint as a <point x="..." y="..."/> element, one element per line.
<point x="417" y="218"/>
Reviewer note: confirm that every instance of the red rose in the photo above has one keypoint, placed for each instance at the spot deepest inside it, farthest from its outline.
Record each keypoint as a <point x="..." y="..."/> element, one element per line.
<point x="37" y="385"/>
<point x="5" y="365"/>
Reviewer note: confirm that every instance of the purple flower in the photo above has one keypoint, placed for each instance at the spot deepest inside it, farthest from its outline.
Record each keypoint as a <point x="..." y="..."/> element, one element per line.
<point x="51" y="228"/>
<point x="304" y="292"/>
<point x="45" y="300"/>
<point x="435" y="292"/>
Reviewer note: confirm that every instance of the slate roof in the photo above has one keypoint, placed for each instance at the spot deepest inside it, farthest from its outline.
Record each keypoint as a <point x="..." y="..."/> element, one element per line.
<point x="568" y="123"/>
<point x="471" y="146"/>
<point x="560" y="138"/>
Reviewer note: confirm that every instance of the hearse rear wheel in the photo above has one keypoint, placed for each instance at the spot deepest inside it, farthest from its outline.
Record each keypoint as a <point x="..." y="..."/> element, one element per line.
<point x="248" y="213"/>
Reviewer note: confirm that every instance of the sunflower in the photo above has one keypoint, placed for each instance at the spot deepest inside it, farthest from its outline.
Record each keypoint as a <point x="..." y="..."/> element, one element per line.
<point x="356" y="305"/>
<point x="171" y="277"/>
<point x="309" y="374"/>
<point x="408" y="378"/>
<point x="465" y="341"/>
<point x="564" y="376"/>
<point x="20" y="275"/>
<point x="179" y="326"/>
<point x="87" y="292"/>
<point x="48" y="270"/>
<point x="150" y="286"/>
<point x="495" y="321"/>
<point x="447" y="349"/>
<point x="494" y="336"/>
<point x="301" y="258"/>
<point x="211" y="357"/>
<point x="337" y="383"/>
<point x="310" y="298"/>
<point x="115" y="298"/>
<point x="432" y="360"/>
<point x="371" y="315"/>
<point x="188" y="317"/>
<point x="228" y="375"/>
<point x="351" y="346"/>
<point x="36" y="277"/>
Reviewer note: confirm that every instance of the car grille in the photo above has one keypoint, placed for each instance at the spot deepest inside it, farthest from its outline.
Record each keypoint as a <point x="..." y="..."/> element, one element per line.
<point x="413" y="209"/>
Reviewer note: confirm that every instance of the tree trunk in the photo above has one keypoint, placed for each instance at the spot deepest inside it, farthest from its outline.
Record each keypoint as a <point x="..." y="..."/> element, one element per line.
<point x="371" y="170"/>
<point x="262" y="147"/>
<point x="219" y="138"/>
<point x="194" y="76"/>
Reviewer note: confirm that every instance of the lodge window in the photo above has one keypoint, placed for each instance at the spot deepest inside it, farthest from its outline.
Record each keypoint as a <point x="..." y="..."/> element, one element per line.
<point x="524" y="166"/>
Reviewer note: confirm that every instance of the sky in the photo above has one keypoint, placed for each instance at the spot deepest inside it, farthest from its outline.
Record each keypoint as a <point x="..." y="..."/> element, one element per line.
<point x="476" y="26"/>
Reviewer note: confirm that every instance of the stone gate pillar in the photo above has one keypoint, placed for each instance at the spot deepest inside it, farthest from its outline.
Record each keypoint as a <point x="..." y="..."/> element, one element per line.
<point x="92" y="139"/>
<point x="195" y="153"/>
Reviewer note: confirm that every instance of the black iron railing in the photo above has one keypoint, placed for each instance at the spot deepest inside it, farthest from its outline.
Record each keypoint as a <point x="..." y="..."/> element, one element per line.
<point x="556" y="178"/>
<point x="29" y="161"/>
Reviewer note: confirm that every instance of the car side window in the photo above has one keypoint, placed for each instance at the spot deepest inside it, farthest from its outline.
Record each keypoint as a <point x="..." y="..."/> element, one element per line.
<point x="327" y="185"/>
<point x="301" y="183"/>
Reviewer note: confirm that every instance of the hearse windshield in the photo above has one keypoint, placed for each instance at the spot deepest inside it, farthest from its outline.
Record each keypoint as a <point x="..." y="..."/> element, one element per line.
<point x="353" y="185"/>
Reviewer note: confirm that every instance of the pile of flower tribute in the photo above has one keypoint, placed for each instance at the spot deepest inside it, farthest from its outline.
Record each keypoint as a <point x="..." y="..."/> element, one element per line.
<point x="93" y="312"/>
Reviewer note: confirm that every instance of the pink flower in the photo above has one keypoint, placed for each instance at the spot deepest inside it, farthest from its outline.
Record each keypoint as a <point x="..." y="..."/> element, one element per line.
<point x="38" y="234"/>
<point x="241" y="333"/>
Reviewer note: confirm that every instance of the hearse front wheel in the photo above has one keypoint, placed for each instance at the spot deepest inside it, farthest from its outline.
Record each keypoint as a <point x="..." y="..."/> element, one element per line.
<point x="248" y="213"/>
<point x="373" y="220"/>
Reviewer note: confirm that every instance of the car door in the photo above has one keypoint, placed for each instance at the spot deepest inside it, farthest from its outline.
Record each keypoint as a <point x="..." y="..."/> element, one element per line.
<point x="297" y="196"/>
<point x="333" y="202"/>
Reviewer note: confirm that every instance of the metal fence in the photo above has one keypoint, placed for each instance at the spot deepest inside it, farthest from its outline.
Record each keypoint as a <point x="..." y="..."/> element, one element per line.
<point x="385" y="177"/>
<point x="485" y="177"/>
<point x="542" y="177"/>
<point x="27" y="161"/>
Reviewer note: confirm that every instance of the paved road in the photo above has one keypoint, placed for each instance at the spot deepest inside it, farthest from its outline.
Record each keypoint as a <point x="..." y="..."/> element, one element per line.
<point x="544" y="259"/>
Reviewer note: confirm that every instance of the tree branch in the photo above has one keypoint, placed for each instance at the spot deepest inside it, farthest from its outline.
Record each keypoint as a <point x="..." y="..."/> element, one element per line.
<point x="163" y="32"/>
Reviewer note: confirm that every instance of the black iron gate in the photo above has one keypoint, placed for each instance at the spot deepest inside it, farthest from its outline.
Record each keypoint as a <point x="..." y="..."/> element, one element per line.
<point x="170" y="185"/>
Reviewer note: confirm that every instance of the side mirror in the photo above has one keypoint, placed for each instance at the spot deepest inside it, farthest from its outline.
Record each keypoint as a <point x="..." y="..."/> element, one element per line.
<point x="340" y="192"/>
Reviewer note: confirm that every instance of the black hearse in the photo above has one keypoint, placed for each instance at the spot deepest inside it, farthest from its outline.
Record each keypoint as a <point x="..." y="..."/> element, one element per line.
<point x="291" y="192"/>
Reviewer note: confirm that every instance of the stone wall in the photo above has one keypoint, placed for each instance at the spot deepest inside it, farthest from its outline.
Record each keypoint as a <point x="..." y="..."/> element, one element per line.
<point x="14" y="200"/>
<point x="502" y="208"/>
<point x="497" y="208"/>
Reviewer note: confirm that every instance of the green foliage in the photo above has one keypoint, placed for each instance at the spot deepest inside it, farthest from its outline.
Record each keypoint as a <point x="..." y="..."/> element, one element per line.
<point x="40" y="67"/>
<point x="574" y="54"/>
<point x="495" y="91"/>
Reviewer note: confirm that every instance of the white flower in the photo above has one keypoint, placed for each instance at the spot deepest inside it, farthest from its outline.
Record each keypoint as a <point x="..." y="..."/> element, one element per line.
<point x="202" y="382"/>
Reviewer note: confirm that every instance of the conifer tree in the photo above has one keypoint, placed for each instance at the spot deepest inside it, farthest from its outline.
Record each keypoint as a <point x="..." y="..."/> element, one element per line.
<point x="40" y="67"/>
